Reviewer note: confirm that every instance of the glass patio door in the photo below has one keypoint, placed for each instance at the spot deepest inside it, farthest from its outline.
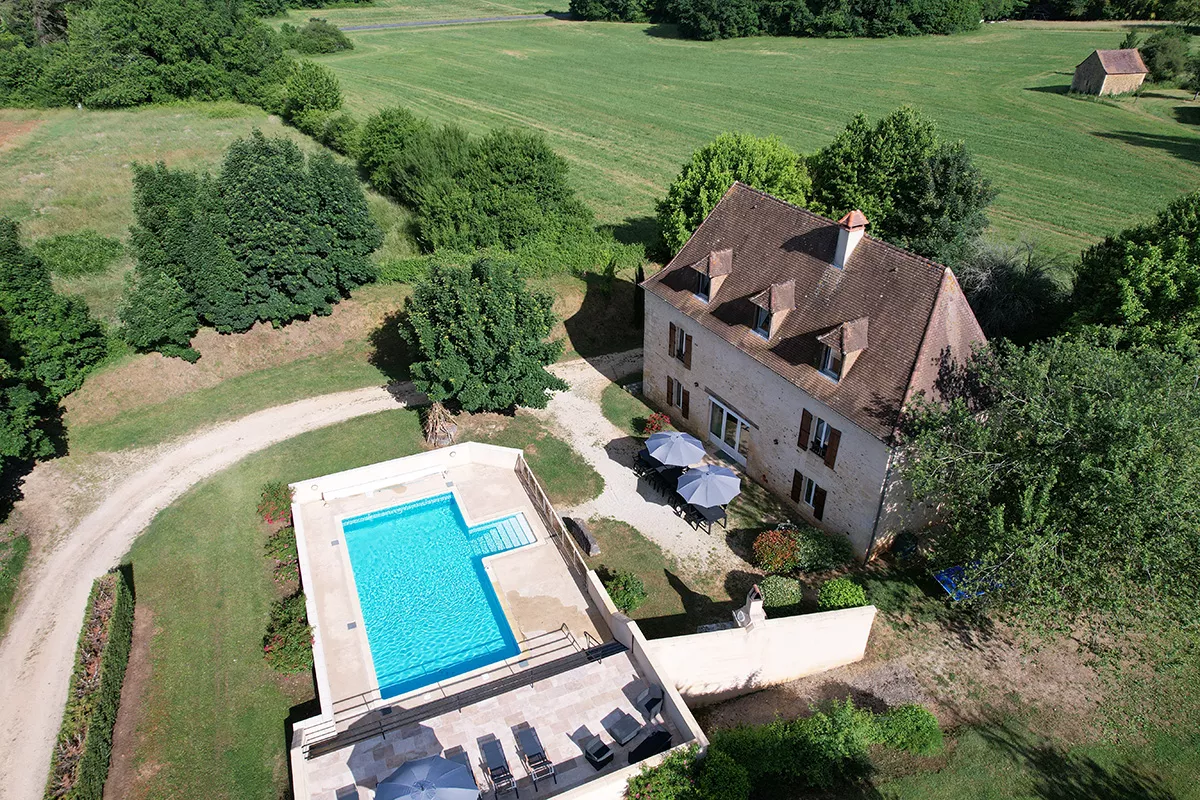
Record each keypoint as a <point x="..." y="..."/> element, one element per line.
<point x="728" y="431"/>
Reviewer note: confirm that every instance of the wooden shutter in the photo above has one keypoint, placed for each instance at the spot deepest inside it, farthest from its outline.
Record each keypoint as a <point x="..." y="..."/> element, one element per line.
<point x="671" y="341"/>
<point x="683" y="406"/>
<point x="797" y="486"/>
<point x="687" y="351"/>
<point x="670" y="392"/>
<point x="805" y="430"/>
<point x="835" y="438"/>
<point x="819" y="502"/>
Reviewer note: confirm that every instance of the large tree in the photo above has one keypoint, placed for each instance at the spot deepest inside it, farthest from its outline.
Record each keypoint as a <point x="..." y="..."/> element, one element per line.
<point x="1067" y="475"/>
<point x="1017" y="291"/>
<point x="480" y="338"/>
<point x="1146" y="280"/>
<point x="59" y="339"/>
<point x="920" y="192"/>
<point x="764" y="163"/>
<point x="27" y="414"/>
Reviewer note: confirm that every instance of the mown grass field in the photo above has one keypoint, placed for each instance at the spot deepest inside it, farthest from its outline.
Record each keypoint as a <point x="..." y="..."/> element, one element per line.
<point x="627" y="104"/>
<point x="386" y="11"/>
<point x="211" y="718"/>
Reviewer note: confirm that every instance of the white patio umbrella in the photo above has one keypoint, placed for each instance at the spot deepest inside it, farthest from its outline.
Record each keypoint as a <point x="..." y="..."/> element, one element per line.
<point x="709" y="485"/>
<point x="433" y="778"/>
<point x="675" y="448"/>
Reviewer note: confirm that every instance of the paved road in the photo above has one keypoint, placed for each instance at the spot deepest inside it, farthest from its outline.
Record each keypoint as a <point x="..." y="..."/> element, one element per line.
<point x="424" y="23"/>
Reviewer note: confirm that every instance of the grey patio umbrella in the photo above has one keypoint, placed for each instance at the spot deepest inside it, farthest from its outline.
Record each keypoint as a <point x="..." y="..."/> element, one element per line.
<point x="675" y="448"/>
<point x="709" y="485"/>
<point x="433" y="778"/>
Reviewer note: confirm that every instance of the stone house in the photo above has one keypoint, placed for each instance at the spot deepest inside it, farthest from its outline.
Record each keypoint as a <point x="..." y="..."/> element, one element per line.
<point x="1109" y="72"/>
<point x="791" y="343"/>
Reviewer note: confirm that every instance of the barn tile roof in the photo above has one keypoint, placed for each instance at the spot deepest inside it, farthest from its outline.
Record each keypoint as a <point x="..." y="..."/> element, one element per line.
<point x="914" y="308"/>
<point x="1122" y="62"/>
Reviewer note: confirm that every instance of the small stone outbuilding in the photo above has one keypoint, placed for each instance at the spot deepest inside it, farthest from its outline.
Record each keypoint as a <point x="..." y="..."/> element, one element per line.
<point x="1110" y="72"/>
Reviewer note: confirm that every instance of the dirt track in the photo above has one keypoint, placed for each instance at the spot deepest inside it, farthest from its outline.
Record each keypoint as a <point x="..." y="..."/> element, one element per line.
<point x="37" y="653"/>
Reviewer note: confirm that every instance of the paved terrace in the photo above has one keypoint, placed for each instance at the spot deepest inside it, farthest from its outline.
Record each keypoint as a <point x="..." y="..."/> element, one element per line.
<point x="553" y="606"/>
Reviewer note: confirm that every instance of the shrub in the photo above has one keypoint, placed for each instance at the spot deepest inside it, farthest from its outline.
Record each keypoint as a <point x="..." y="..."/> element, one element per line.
<point x="780" y="592"/>
<point x="817" y="551"/>
<point x="775" y="550"/>
<point x="672" y="779"/>
<point x="315" y="38"/>
<point x="627" y="591"/>
<point x="387" y="135"/>
<point x="841" y="593"/>
<point x="1166" y="53"/>
<point x="912" y="728"/>
<point x="311" y="87"/>
<point x="157" y="315"/>
<point x="80" y="760"/>
<point x="287" y="645"/>
<point x="82" y="253"/>
<point x="656" y="423"/>
<point x="281" y="549"/>
<point x="722" y="778"/>
<point x="275" y="502"/>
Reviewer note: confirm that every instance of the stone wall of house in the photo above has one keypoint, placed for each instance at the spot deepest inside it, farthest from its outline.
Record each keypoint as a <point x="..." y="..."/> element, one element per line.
<point x="1120" y="84"/>
<point x="1089" y="76"/>
<point x="773" y="406"/>
<point x="715" y="666"/>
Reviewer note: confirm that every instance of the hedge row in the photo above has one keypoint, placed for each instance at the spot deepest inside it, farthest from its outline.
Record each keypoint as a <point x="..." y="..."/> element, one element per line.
<point x="79" y="764"/>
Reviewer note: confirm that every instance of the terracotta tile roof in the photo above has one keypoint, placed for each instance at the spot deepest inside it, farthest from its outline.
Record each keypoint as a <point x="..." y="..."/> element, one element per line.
<point x="855" y="219"/>
<point x="1122" y="62"/>
<point x="893" y="292"/>
<point x="777" y="297"/>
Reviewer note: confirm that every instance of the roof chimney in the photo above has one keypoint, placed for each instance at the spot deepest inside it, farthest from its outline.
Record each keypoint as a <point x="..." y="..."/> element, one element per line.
<point x="850" y="232"/>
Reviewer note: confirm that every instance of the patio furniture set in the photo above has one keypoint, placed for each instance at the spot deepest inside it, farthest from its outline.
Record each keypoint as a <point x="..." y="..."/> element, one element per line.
<point x="700" y="494"/>
<point x="450" y="777"/>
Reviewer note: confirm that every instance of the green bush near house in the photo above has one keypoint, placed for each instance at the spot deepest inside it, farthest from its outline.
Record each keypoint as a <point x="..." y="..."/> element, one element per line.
<point x="780" y="592"/>
<point x="817" y="551"/>
<point x="84" y="252"/>
<point x="285" y="560"/>
<point x="722" y="778"/>
<point x="775" y="550"/>
<point x="79" y="764"/>
<point x="287" y="645"/>
<point x="911" y="728"/>
<point x="841" y="593"/>
<point x="626" y="590"/>
<point x="672" y="779"/>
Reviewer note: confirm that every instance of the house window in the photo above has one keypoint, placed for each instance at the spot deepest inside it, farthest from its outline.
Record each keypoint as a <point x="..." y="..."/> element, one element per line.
<point x="677" y="394"/>
<point x="762" y="322"/>
<point x="703" y="286"/>
<point x="681" y="344"/>
<point x="678" y="397"/>
<point x="831" y="363"/>
<point x="820" y="440"/>
<point x="805" y="491"/>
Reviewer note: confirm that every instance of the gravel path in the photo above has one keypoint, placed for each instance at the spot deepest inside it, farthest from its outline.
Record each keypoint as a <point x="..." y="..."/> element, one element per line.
<point x="576" y="417"/>
<point x="37" y="654"/>
<point x="423" y="23"/>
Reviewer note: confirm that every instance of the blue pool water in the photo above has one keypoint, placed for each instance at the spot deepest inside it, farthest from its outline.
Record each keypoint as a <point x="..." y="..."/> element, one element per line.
<point x="428" y="605"/>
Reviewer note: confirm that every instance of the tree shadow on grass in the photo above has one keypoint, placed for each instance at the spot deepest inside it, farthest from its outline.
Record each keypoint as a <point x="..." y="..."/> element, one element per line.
<point x="1061" y="775"/>
<point x="389" y="350"/>
<point x="605" y="322"/>
<point x="641" y="230"/>
<point x="1188" y="115"/>
<point x="1186" y="148"/>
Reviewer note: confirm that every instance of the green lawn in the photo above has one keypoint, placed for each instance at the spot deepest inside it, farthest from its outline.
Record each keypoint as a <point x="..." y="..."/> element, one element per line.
<point x="627" y="105"/>
<point x="212" y="720"/>
<point x="385" y="11"/>
<point x="13" y="554"/>
<point x="627" y="412"/>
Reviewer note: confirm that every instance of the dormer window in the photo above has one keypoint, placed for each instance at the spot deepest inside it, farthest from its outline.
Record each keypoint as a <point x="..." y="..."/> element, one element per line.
<point x="703" y="286"/>
<point x="762" y="322"/>
<point x="831" y="363"/>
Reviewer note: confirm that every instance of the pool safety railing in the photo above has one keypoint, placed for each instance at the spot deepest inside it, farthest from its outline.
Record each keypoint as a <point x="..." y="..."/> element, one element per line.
<point x="550" y="518"/>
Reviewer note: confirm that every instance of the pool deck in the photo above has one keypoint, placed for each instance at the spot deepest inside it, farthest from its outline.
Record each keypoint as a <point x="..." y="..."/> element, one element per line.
<point x="538" y="594"/>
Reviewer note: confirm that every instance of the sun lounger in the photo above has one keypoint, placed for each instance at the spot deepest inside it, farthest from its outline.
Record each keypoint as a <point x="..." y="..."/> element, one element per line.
<point x="622" y="727"/>
<point x="534" y="756"/>
<point x="650" y="702"/>
<point x="459" y="756"/>
<point x="497" y="764"/>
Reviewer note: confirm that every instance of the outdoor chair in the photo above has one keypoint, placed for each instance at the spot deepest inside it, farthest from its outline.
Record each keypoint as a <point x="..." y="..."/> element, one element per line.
<point x="597" y="753"/>
<point x="646" y="464"/>
<point x="459" y="756"/>
<point x="622" y="727"/>
<point x="657" y="742"/>
<point x="650" y="702"/>
<point x="501" y="777"/>
<point x="534" y="756"/>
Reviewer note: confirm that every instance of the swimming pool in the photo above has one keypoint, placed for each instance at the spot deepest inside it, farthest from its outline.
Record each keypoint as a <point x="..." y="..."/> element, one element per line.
<point x="428" y="605"/>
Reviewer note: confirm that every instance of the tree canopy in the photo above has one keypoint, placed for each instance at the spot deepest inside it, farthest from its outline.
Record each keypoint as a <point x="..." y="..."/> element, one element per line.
<point x="1067" y="475"/>
<point x="764" y="163"/>
<point x="26" y="411"/>
<point x="479" y="337"/>
<point x="919" y="192"/>
<point x="1146" y="280"/>
<point x="1017" y="291"/>
<point x="56" y="335"/>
